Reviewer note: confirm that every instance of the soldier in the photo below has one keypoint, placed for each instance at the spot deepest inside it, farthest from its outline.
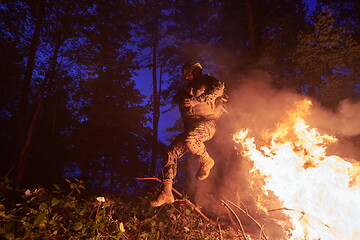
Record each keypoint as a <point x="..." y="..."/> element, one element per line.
<point x="200" y="104"/>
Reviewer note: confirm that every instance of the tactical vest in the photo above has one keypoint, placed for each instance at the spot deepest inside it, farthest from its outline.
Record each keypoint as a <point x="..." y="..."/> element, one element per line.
<point x="209" y="96"/>
<point x="211" y="108"/>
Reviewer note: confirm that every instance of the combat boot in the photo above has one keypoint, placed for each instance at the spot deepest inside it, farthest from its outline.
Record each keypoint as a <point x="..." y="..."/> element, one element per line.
<point x="206" y="164"/>
<point x="166" y="196"/>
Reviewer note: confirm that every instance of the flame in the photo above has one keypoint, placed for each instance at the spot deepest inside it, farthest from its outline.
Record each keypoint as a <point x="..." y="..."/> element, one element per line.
<point x="320" y="194"/>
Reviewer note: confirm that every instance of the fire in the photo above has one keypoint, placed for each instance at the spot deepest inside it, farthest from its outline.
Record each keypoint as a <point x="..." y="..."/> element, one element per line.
<point x="319" y="193"/>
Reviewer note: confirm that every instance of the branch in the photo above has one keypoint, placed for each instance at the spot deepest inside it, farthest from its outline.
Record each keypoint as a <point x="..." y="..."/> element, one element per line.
<point x="302" y="212"/>
<point x="237" y="218"/>
<point x="288" y="209"/>
<point x="253" y="219"/>
<point x="221" y="236"/>
<point x="197" y="209"/>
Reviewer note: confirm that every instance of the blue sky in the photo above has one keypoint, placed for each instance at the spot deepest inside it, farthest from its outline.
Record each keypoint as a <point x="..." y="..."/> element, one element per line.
<point x="144" y="84"/>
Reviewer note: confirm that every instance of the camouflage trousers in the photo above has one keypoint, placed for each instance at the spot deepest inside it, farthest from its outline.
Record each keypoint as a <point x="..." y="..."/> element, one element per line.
<point x="191" y="140"/>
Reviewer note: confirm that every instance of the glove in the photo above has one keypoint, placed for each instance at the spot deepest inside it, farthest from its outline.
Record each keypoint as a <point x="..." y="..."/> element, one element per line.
<point x="190" y="102"/>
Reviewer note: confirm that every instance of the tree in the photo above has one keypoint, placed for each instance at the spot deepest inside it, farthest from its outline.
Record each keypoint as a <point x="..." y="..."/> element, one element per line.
<point x="109" y="141"/>
<point x="191" y="31"/>
<point x="82" y="70"/>
<point x="11" y="71"/>
<point x="326" y="61"/>
<point x="148" y="34"/>
<point x="26" y="44"/>
<point x="54" y="26"/>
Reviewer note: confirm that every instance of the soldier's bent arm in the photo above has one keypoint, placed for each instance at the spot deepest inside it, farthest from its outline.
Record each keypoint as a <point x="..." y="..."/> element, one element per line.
<point x="214" y="90"/>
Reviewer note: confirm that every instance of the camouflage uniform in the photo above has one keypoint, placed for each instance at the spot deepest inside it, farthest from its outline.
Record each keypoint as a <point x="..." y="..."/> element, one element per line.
<point x="201" y="104"/>
<point x="206" y="93"/>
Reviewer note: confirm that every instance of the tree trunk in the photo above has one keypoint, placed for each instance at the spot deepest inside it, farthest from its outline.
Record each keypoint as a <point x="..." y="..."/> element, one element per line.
<point x="156" y="102"/>
<point x="24" y="98"/>
<point x="251" y="26"/>
<point x="357" y="6"/>
<point x="29" y="135"/>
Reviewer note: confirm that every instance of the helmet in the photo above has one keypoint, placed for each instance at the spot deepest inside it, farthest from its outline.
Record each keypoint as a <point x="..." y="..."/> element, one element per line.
<point x="191" y="66"/>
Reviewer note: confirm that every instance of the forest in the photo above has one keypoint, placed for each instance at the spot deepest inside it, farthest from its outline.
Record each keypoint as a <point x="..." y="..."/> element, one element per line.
<point x="72" y="116"/>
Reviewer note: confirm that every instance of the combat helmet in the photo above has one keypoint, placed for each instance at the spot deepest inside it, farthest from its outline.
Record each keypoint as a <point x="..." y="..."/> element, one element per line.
<point x="191" y="66"/>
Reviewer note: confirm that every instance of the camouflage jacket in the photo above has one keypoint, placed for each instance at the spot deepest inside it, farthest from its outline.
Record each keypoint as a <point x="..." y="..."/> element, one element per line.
<point x="207" y="95"/>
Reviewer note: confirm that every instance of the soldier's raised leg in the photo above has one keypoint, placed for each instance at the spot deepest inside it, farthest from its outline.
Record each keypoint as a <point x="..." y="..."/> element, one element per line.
<point x="176" y="150"/>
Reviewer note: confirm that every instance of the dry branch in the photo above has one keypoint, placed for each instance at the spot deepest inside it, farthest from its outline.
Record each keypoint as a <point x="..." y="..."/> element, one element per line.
<point x="237" y="218"/>
<point x="221" y="236"/>
<point x="253" y="219"/>
<point x="302" y="214"/>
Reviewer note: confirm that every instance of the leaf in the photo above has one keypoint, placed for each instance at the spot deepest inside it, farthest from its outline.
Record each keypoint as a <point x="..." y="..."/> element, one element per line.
<point x="57" y="187"/>
<point x="152" y="223"/>
<point x="157" y="235"/>
<point x="83" y="211"/>
<point x="77" y="226"/>
<point x="121" y="227"/>
<point x="2" y="210"/>
<point x="144" y="235"/>
<point x="54" y="201"/>
<point x="42" y="206"/>
<point x="9" y="236"/>
<point x="39" y="219"/>
<point x="161" y="225"/>
<point x="9" y="216"/>
<point x="70" y="204"/>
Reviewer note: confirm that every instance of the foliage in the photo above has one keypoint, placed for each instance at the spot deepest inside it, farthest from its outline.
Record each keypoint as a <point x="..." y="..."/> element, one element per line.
<point x="80" y="80"/>
<point x="326" y="61"/>
<point x="68" y="214"/>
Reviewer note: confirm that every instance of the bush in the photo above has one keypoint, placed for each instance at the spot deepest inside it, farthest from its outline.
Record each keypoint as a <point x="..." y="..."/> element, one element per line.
<point x="67" y="214"/>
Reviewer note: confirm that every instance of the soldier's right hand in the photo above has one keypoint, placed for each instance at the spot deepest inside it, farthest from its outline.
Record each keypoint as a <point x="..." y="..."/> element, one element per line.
<point x="190" y="102"/>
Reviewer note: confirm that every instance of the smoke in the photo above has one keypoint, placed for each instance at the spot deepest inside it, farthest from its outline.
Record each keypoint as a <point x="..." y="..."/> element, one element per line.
<point x="255" y="105"/>
<point x="344" y="121"/>
<point x="344" y="124"/>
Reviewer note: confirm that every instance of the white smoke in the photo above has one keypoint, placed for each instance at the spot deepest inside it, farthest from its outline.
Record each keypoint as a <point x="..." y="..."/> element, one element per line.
<point x="345" y="121"/>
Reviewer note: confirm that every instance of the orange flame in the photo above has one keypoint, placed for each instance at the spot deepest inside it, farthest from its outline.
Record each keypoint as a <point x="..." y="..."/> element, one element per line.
<point x="321" y="190"/>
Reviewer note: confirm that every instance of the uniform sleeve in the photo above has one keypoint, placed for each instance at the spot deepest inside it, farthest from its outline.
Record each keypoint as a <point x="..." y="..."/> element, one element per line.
<point x="179" y="97"/>
<point x="214" y="89"/>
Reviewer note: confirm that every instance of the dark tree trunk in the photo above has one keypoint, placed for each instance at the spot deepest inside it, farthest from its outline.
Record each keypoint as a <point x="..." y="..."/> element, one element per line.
<point x="30" y="131"/>
<point x="24" y="98"/>
<point x="250" y="25"/>
<point x="156" y="102"/>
